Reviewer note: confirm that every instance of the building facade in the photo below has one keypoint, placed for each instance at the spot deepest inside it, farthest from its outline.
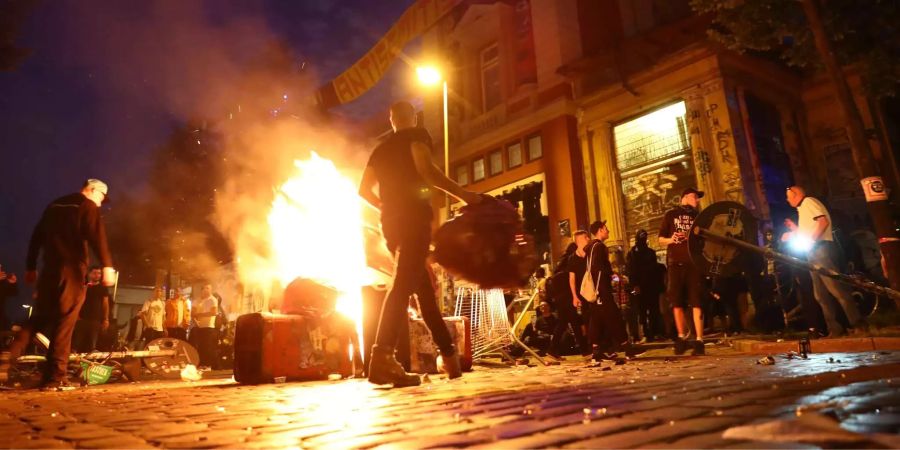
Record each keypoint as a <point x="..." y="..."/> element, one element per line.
<point x="616" y="106"/>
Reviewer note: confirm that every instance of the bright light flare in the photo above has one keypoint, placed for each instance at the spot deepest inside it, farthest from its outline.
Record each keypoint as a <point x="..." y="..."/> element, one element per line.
<point x="316" y="228"/>
<point x="801" y="243"/>
<point x="429" y="75"/>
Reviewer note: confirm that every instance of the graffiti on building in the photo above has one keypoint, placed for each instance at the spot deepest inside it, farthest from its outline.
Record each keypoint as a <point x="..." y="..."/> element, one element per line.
<point x="702" y="162"/>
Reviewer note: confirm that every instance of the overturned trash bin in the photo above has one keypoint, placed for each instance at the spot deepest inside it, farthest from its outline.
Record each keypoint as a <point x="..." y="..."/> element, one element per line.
<point x="310" y="344"/>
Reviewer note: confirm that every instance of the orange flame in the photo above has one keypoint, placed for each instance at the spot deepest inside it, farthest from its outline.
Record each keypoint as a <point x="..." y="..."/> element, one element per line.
<point x="316" y="232"/>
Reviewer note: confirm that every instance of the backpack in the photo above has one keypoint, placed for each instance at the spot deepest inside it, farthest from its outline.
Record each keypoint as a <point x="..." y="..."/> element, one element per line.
<point x="589" y="288"/>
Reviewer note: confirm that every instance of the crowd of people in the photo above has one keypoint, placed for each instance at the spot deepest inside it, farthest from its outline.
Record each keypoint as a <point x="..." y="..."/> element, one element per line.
<point x="641" y="300"/>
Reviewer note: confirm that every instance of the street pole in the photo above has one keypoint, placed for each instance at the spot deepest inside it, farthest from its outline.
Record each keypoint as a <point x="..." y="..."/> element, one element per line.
<point x="872" y="183"/>
<point x="446" y="282"/>
<point x="446" y="150"/>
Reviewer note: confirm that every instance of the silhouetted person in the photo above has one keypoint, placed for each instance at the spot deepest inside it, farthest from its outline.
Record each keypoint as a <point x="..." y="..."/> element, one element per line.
<point x="401" y="166"/>
<point x="570" y="272"/>
<point x="9" y="287"/>
<point x="67" y="228"/>
<point x="94" y="316"/>
<point x="606" y="328"/>
<point x="646" y="285"/>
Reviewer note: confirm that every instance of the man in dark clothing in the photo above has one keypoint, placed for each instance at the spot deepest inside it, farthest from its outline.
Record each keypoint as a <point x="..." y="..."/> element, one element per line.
<point x="67" y="228"/>
<point x="646" y="285"/>
<point x="537" y="334"/>
<point x="685" y="284"/>
<point x="606" y="329"/>
<point x="401" y="166"/>
<point x="8" y="288"/>
<point x="564" y="298"/>
<point x="94" y="316"/>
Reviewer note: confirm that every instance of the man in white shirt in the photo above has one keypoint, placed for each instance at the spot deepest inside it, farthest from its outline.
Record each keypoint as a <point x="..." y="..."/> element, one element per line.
<point x="814" y="231"/>
<point x="204" y="336"/>
<point x="152" y="314"/>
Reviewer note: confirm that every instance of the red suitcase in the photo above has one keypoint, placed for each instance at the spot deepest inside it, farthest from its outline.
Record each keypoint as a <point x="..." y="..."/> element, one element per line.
<point x="423" y="352"/>
<point x="271" y="346"/>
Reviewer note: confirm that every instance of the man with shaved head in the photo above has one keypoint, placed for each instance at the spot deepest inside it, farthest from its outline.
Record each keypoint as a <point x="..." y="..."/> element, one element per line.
<point x="402" y="169"/>
<point x="814" y="235"/>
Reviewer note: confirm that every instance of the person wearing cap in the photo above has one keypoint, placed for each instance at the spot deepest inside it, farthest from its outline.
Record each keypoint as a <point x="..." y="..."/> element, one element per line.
<point x="685" y="283"/>
<point x="606" y="327"/>
<point x="68" y="227"/>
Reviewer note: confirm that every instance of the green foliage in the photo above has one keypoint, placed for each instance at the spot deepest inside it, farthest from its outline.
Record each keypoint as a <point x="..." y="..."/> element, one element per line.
<point x="864" y="33"/>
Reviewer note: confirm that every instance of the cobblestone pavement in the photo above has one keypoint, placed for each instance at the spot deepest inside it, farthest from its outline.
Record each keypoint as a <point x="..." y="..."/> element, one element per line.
<point x="656" y="401"/>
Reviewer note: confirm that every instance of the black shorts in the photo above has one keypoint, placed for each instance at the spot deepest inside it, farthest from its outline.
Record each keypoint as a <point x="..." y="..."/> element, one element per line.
<point x="685" y="286"/>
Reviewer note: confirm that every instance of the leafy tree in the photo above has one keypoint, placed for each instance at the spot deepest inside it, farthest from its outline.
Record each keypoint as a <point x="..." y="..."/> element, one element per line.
<point x="863" y="33"/>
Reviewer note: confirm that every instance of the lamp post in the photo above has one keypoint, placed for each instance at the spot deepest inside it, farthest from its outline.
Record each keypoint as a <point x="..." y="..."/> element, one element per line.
<point x="430" y="76"/>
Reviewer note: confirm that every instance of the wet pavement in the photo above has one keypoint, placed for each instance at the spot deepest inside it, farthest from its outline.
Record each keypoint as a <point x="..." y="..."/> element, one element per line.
<point x="655" y="401"/>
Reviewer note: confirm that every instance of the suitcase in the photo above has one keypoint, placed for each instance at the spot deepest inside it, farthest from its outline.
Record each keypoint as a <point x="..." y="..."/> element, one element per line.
<point x="271" y="347"/>
<point x="423" y="352"/>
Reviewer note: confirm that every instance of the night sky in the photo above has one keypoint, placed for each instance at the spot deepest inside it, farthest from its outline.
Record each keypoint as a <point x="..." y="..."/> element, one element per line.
<point x="108" y="80"/>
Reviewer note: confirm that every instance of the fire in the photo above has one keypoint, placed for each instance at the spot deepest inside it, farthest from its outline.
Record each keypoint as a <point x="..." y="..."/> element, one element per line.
<point x="316" y="231"/>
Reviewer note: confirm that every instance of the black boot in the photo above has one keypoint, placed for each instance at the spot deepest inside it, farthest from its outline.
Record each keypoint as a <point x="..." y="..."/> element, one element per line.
<point x="384" y="369"/>
<point x="680" y="346"/>
<point x="450" y="364"/>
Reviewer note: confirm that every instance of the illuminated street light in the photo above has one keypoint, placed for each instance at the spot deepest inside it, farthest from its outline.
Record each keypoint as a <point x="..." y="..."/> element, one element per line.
<point x="429" y="75"/>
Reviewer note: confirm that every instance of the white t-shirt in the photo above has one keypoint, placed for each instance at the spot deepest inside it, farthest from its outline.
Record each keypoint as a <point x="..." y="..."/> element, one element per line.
<point x="808" y="210"/>
<point x="155" y="311"/>
<point x="204" y="305"/>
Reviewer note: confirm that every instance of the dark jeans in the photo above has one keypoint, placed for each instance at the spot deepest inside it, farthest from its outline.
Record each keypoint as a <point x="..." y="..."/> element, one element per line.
<point x="567" y="315"/>
<point x="85" y="335"/>
<point x="606" y="329"/>
<point x="149" y="334"/>
<point x="60" y="294"/>
<point x="408" y="239"/>
<point x="651" y="321"/>
<point x="177" y="333"/>
<point x="207" y="342"/>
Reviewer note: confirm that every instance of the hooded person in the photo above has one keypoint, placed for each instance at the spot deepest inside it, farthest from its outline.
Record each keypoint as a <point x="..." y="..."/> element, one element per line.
<point x="646" y="285"/>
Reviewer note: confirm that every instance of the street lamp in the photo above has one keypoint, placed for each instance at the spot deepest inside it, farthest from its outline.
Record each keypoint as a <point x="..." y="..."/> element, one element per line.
<point x="431" y="76"/>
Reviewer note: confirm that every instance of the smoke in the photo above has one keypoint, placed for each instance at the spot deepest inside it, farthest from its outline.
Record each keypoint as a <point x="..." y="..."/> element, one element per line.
<point x="241" y="102"/>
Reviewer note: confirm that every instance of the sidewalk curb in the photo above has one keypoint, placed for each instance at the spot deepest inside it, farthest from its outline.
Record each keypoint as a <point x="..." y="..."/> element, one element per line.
<point x="862" y="344"/>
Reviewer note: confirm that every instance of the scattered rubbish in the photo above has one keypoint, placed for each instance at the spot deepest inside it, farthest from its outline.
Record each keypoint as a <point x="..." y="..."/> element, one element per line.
<point x="620" y="362"/>
<point x="606" y="368"/>
<point x="280" y="379"/>
<point x="779" y="340"/>
<point x="190" y="373"/>
<point x="334" y="377"/>
<point x="831" y="360"/>
<point x="766" y="361"/>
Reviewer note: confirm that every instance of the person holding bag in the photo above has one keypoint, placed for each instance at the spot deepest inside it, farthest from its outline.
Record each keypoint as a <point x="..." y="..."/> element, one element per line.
<point x="606" y="327"/>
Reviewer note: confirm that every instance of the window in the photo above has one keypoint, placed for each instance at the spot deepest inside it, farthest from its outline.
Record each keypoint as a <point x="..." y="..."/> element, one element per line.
<point x="535" y="148"/>
<point x="514" y="155"/>
<point x="478" y="169"/>
<point x="496" y="162"/>
<point x="462" y="175"/>
<point x="490" y="78"/>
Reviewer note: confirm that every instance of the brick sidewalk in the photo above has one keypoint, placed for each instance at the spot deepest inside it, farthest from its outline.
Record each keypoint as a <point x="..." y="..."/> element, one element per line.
<point x="655" y="401"/>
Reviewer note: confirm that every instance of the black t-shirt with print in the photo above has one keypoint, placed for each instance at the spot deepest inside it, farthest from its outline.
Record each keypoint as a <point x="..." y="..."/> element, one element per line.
<point x="678" y="219"/>
<point x="402" y="190"/>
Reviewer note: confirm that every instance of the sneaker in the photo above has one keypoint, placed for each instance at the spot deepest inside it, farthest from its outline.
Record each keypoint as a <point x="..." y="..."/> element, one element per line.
<point x="680" y="346"/>
<point x="699" y="348"/>
<point x="633" y="351"/>
<point x="58" y="386"/>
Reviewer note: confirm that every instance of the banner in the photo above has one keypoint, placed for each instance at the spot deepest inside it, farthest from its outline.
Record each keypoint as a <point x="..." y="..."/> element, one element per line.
<point x="526" y="61"/>
<point x="366" y="72"/>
